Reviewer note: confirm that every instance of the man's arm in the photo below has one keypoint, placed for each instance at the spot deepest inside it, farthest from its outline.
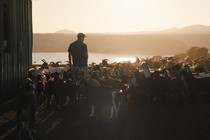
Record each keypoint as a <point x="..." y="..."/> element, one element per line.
<point x="69" y="55"/>
<point x="70" y="58"/>
<point x="85" y="55"/>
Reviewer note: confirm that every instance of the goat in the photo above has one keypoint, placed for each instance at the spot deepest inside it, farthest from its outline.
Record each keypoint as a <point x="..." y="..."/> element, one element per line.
<point x="26" y="112"/>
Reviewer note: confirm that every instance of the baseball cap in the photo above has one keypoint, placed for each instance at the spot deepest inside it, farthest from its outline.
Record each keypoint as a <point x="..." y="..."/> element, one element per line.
<point x="80" y="35"/>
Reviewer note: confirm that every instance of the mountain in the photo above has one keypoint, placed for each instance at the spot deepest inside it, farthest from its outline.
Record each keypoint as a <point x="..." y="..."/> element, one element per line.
<point x="198" y="29"/>
<point x="192" y="29"/>
<point x="171" y="41"/>
<point x="65" y="31"/>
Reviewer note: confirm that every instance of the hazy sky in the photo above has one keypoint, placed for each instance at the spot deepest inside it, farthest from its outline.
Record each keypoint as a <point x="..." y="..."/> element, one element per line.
<point x="97" y="16"/>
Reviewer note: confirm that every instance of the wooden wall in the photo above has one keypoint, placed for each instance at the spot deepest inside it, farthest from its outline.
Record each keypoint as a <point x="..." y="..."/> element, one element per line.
<point x="15" y="44"/>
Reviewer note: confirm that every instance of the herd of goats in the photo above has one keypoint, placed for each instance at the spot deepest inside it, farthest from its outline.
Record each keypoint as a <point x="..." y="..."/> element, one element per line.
<point x="160" y="80"/>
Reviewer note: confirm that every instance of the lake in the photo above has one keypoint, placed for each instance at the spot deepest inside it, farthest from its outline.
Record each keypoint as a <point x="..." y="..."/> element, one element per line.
<point x="93" y="57"/>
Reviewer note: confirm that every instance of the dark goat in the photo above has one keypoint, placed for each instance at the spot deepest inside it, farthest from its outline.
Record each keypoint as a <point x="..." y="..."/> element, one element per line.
<point x="159" y="88"/>
<point x="40" y="94"/>
<point x="26" y="113"/>
<point x="50" y="90"/>
<point x="196" y="86"/>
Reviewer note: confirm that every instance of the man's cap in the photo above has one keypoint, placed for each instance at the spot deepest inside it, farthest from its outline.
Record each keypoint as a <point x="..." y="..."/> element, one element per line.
<point x="81" y="35"/>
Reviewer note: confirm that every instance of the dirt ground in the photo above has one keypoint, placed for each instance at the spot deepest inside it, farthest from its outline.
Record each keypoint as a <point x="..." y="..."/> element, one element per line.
<point x="138" y="121"/>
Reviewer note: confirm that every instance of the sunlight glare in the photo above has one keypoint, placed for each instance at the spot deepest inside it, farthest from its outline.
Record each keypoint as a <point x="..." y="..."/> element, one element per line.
<point x="126" y="59"/>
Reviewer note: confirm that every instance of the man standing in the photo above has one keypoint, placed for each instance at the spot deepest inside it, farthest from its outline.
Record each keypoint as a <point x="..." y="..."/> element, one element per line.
<point x="78" y="54"/>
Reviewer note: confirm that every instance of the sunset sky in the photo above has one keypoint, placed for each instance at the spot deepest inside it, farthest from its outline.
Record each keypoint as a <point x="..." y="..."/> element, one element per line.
<point x="99" y="16"/>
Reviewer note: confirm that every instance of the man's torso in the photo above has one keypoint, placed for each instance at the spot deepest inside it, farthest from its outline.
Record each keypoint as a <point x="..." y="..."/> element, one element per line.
<point x="78" y="51"/>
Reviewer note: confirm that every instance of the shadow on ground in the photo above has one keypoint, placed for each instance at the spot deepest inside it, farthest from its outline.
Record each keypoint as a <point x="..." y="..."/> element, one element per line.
<point x="138" y="121"/>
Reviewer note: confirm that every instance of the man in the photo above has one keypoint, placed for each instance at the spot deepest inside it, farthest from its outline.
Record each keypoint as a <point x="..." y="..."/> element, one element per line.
<point x="78" y="54"/>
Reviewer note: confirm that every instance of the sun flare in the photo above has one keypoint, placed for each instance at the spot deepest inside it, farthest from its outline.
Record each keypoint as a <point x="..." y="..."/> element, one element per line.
<point x="126" y="59"/>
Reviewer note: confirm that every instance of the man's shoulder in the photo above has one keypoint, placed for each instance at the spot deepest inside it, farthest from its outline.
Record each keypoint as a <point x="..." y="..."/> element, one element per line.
<point x="77" y="43"/>
<point x="73" y="43"/>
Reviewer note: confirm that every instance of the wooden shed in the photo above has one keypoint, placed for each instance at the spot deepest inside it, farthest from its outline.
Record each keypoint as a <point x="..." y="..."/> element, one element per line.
<point x="15" y="44"/>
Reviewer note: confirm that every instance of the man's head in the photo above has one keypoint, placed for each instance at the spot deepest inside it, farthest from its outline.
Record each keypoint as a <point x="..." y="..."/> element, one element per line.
<point x="81" y="36"/>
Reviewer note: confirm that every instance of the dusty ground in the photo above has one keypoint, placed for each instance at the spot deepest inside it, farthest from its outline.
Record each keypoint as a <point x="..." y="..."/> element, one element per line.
<point x="139" y="121"/>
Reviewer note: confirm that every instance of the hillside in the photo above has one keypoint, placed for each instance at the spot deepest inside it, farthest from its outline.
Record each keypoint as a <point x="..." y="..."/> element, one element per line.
<point x="130" y="44"/>
<point x="156" y="43"/>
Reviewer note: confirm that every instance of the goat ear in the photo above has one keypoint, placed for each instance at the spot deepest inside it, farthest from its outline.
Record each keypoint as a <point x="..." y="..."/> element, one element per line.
<point x="43" y="60"/>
